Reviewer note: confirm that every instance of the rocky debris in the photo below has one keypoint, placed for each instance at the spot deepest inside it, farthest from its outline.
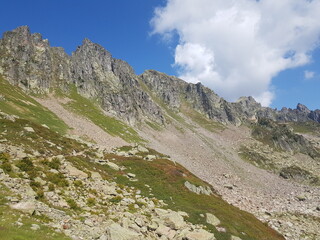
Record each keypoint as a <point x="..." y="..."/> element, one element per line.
<point x="133" y="152"/>
<point x="281" y="137"/>
<point x="295" y="226"/>
<point x="17" y="152"/>
<point x="198" y="190"/>
<point x="298" y="167"/>
<point x="40" y="181"/>
<point x="164" y="231"/>
<point x="96" y="176"/>
<point x="212" y="219"/>
<point x="104" y="207"/>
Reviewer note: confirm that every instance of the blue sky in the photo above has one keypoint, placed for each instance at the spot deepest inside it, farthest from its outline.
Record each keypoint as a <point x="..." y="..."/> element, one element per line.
<point x="123" y="28"/>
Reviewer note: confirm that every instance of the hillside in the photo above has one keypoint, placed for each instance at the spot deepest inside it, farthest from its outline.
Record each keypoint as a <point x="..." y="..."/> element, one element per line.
<point x="72" y="135"/>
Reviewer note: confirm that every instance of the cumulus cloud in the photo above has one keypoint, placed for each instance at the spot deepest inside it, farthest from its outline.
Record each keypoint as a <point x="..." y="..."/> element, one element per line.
<point x="308" y="74"/>
<point x="236" y="47"/>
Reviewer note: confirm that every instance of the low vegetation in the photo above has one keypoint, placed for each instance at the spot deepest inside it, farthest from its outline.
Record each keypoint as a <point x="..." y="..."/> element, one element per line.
<point x="167" y="179"/>
<point x="91" y="110"/>
<point x="41" y="139"/>
<point x="160" y="179"/>
<point x="281" y="138"/>
<point x="256" y="158"/>
<point x="15" y="102"/>
<point x="312" y="128"/>
<point x="11" y="219"/>
<point x="200" y="119"/>
<point x="300" y="175"/>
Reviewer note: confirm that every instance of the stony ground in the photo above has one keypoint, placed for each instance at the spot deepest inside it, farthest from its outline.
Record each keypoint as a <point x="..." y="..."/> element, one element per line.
<point x="86" y="206"/>
<point x="213" y="156"/>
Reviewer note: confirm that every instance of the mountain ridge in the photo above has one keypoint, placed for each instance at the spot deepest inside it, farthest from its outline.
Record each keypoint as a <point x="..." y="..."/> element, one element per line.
<point x="97" y="75"/>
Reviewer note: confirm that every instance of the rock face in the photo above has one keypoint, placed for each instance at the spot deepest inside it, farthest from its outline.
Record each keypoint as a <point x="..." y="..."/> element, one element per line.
<point x="27" y="60"/>
<point x="281" y="137"/>
<point x="198" y="190"/>
<point x="176" y="92"/>
<point x="300" y="114"/>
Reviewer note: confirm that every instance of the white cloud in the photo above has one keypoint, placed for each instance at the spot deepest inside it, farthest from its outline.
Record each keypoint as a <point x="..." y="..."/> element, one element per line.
<point x="308" y="74"/>
<point x="236" y="47"/>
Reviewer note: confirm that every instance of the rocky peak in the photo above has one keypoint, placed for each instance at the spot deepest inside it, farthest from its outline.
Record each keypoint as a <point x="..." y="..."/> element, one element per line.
<point x="165" y="87"/>
<point x="27" y="60"/>
<point x="22" y="32"/>
<point x="302" y="108"/>
<point x="248" y="101"/>
<point x="22" y="36"/>
<point x="92" y="56"/>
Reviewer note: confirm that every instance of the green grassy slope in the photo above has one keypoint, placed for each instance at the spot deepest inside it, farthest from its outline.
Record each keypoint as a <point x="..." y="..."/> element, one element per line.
<point x="312" y="128"/>
<point x="43" y="140"/>
<point x="15" y="101"/>
<point x="93" y="112"/>
<point x="167" y="182"/>
<point x="164" y="177"/>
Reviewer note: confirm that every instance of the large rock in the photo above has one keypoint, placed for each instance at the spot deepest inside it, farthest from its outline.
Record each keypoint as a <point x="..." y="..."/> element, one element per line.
<point x="212" y="219"/>
<point x="29" y="129"/>
<point x="113" y="166"/>
<point x="199" y="189"/>
<point x="174" y="220"/>
<point x="235" y="238"/>
<point x="76" y="173"/>
<point x="165" y="231"/>
<point x="142" y="149"/>
<point x="200" y="235"/>
<point x="26" y="207"/>
<point x="116" y="232"/>
<point x="96" y="176"/>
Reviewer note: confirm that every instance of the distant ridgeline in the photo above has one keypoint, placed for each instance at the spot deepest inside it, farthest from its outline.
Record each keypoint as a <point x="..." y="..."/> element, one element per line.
<point x="29" y="62"/>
